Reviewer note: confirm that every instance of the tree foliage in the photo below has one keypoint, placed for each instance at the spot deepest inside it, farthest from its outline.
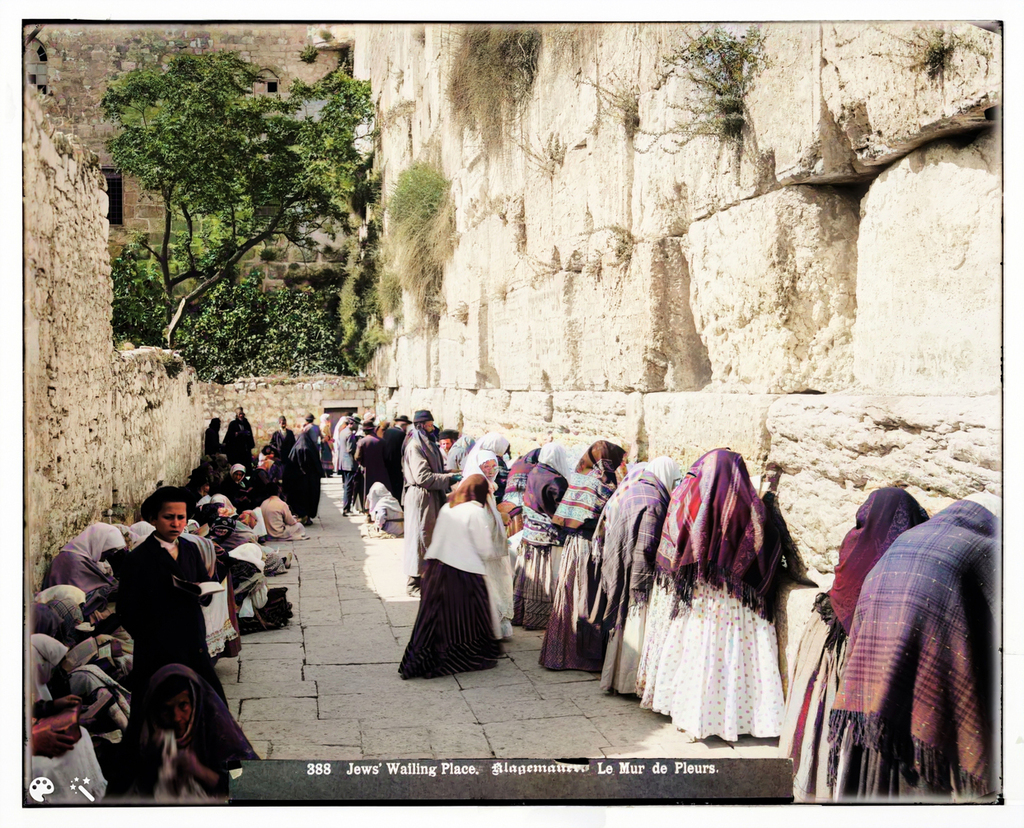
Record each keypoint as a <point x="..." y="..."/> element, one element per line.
<point x="233" y="170"/>
<point x="139" y="313"/>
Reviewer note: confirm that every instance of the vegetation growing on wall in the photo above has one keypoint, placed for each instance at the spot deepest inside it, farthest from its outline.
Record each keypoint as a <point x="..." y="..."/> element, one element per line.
<point x="722" y="68"/>
<point x="491" y="77"/>
<point x="934" y="50"/>
<point x="421" y="236"/>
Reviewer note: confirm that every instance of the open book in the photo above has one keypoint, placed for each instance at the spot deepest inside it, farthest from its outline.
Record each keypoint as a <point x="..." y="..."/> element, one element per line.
<point x="201" y="589"/>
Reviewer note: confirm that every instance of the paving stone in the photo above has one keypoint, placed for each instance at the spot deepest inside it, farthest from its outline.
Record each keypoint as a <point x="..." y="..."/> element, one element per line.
<point x="318" y="589"/>
<point x="459" y="741"/>
<point x="270" y="670"/>
<point x="523" y="641"/>
<point x="373" y="678"/>
<point x="324" y="616"/>
<point x="254" y="649"/>
<point x="227" y="670"/>
<point x="592" y="700"/>
<point x="270" y="690"/>
<point x="632" y="731"/>
<point x="380" y="741"/>
<point x="398" y="709"/>
<point x="262" y="748"/>
<point x="507" y="672"/>
<point x="312" y="733"/>
<point x="351" y="643"/>
<point x="286" y="635"/>
<point x="365" y="607"/>
<point x="401" y="613"/>
<point x="567" y="737"/>
<point x="280" y="709"/>
<point x="527" y="662"/>
<point x="318" y="753"/>
<point x="516" y="701"/>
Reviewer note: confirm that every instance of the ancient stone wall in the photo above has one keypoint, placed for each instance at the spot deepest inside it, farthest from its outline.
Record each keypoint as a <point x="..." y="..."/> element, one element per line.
<point x="97" y="421"/>
<point x="822" y="295"/>
<point x="267" y="398"/>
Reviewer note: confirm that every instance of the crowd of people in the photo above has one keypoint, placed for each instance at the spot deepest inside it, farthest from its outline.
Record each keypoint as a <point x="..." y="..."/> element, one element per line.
<point x="663" y="581"/>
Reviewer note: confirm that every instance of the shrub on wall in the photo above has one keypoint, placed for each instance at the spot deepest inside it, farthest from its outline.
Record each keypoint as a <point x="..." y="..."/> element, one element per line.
<point x="421" y="236"/>
<point x="491" y="76"/>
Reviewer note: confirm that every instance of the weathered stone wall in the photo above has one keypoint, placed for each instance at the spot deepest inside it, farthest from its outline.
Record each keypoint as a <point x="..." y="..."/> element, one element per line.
<point x="823" y="297"/>
<point x="96" y="420"/>
<point x="267" y="398"/>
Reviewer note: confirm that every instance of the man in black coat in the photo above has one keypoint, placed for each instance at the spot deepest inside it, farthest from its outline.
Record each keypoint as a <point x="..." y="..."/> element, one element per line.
<point x="283" y="439"/>
<point x="393" y="439"/>
<point x="239" y="441"/>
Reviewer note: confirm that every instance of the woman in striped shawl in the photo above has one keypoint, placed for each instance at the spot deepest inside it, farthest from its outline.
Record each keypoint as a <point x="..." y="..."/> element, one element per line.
<point x="541" y="549"/>
<point x="625" y="543"/>
<point x="511" y="502"/>
<point x="818" y="667"/>
<point x="916" y="715"/>
<point x="568" y="644"/>
<point x="717" y="670"/>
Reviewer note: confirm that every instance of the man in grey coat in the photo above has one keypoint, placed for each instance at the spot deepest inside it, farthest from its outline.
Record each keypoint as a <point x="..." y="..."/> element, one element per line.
<point x="425" y="485"/>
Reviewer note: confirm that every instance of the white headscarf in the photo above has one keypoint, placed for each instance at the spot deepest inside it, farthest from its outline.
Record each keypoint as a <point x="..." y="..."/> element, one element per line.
<point x="95" y="540"/>
<point x="554" y="455"/>
<point x="47" y="653"/>
<point x="140" y="531"/>
<point x="479" y="458"/>
<point x="666" y="470"/>
<point x="492" y="441"/>
<point x="223" y="500"/>
<point x="250" y="553"/>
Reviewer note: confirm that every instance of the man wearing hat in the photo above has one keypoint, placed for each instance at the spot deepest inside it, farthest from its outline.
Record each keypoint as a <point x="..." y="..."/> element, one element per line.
<point x="393" y="439"/>
<point x="344" y="462"/>
<point x="370" y="455"/>
<point x="239" y="441"/>
<point x="425" y="485"/>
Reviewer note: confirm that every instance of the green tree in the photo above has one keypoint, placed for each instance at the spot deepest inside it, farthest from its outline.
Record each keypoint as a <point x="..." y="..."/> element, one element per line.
<point x="139" y="314"/>
<point x="233" y="170"/>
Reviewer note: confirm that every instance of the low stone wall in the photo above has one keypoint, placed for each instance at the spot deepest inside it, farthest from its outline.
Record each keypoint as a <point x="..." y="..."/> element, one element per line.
<point x="267" y="398"/>
<point x="102" y="427"/>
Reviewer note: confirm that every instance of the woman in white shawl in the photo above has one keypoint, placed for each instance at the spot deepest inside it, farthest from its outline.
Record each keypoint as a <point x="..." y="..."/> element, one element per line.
<point x="456" y="628"/>
<point x="385" y="512"/>
<point x="498" y="568"/>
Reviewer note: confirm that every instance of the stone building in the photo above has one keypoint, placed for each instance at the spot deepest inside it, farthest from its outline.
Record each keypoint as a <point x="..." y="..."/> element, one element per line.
<point x="72" y="64"/>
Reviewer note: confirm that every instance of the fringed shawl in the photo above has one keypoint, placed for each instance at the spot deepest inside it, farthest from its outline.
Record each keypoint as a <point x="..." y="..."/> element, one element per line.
<point x="517" y="474"/>
<point x="590" y="486"/>
<point x="920" y="681"/>
<point x="718" y="531"/>
<point x="626" y="543"/>
<point x="885" y="515"/>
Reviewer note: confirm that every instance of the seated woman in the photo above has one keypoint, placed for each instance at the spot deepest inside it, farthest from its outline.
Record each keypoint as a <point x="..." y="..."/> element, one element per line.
<point x="917" y="712"/>
<point x="454" y="630"/>
<point x="189" y="741"/>
<point x="80" y="563"/>
<point x="281" y="524"/>
<point x="61" y="748"/>
<point x="818" y="667"/>
<point x="259" y="607"/>
<point x="384" y="511"/>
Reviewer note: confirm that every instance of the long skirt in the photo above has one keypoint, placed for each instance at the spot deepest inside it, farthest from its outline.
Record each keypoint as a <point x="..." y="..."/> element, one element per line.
<point x="453" y="632"/>
<point x="659" y="615"/>
<point x="534" y="586"/>
<point x="622" y="655"/>
<point x="718" y="674"/>
<point x="498" y="577"/>
<point x="813" y="684"/>
<point x="303" y="490"/>
<point x="570" y="644"/>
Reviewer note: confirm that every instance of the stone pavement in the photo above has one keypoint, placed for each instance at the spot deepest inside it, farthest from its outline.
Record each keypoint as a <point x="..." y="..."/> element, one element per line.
<point x="327" y="686"/>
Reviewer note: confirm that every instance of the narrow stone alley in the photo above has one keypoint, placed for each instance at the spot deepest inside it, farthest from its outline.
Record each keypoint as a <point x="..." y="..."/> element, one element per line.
<point x="327" y="686"/>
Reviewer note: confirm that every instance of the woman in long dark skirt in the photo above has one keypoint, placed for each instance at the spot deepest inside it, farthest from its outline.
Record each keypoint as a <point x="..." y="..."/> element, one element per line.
<point x="455" y="628"/>
<point x="302" y="474"/>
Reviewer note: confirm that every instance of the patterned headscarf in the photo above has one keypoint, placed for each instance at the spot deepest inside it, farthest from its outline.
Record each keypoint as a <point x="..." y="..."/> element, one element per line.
<point x="884" y="516"/>
<point x="718" y="531"/>
<point x="920" y="686"/>
<point x="590" y="485"/>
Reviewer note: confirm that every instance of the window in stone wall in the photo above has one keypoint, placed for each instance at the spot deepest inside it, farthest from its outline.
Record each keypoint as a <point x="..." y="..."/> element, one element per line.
<point x="268" y="84"/>
<point x="115" y="196"/>
<point x="36" y="66"/>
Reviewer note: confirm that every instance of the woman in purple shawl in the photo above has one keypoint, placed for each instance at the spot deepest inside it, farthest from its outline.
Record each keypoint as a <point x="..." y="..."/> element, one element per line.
<point x="569" y="644"/>
<point x="916" y="715"/>
<point x="189" y="740"/>
<point x="717" y="662"/>
<point x="818" y="667"/>
<point x="540" y="552"/>
<point x="80" y="564"/>
<point x="511" y="501"/>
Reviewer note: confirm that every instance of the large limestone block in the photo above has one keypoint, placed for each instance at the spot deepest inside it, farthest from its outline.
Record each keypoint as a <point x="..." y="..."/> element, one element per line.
<point x="834" y="450"/>
<point x="882" y="98"/>
<point x="929" y="269"/>
<point x="685" y="426"/>
<point x="772" y="287"/>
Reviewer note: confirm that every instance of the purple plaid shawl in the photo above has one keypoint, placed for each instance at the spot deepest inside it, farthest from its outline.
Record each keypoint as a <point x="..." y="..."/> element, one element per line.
<point x="920" y="684"/>
<point x="717" y="530"/>
<point x="626" y="542"/>
<point x="544" y="490"/>
<point x="516" y="485"/>
<point x="885" y="515"/>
